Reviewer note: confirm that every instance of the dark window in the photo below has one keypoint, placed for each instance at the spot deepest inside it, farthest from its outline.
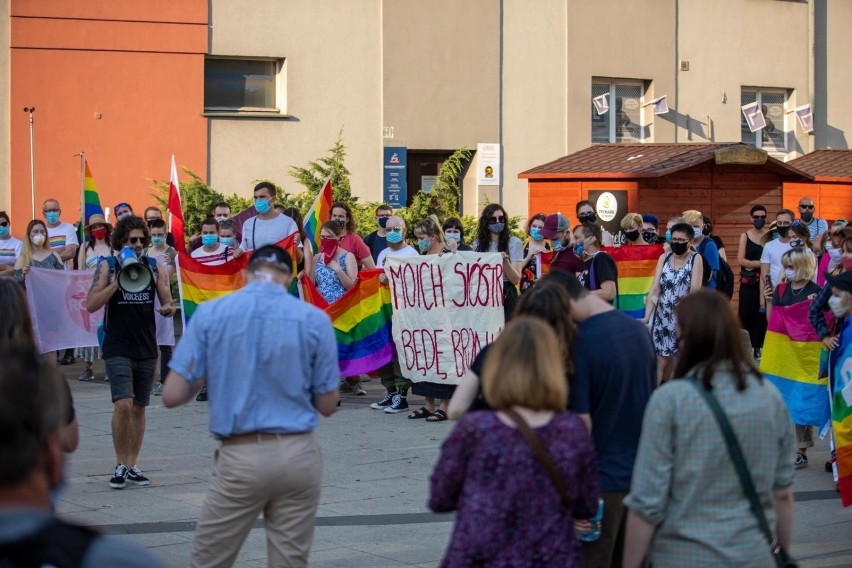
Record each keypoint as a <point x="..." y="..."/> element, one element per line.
<point x="240" y="84"/>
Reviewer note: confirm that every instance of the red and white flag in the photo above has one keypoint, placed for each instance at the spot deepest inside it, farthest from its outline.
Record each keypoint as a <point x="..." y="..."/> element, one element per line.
<point x="176" y="211"/>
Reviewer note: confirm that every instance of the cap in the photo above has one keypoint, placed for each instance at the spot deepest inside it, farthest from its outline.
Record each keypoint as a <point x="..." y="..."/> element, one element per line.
<point x="273" y="256"/>
<point x="843" y="281"/>
<point x="554" y="224"/>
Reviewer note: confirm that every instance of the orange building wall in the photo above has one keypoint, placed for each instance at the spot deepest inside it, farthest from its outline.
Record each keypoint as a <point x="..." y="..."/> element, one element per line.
<point x="552" y="196"/>
<point x="122" y="81"/>
<point x="832" y="200"/>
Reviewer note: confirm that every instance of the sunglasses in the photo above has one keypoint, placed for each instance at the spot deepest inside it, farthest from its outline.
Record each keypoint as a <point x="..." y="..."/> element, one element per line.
<point x="4" y="223"/>
<point x="150" y="219"/>
<point x="394" y="229"/>
<point x="806" y="206"/>
<point x="136" y="240"/>
<point x="498" y="219"/>
<point x="758" y="216"/>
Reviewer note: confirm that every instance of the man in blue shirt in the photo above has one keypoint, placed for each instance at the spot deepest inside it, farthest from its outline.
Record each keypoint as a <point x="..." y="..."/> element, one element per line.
<point x="269" y="362"/>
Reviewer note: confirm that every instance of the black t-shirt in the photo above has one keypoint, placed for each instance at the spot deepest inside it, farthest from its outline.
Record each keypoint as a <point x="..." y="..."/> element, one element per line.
<point x="718" y="240"/>
<point x="598" y="269"/>
<point x="479" y="403"/>
<point x="376" y="244"/>
<point x="615" y="372"/>
<point x="129" y="326"/>
<point x="790" y="297"/>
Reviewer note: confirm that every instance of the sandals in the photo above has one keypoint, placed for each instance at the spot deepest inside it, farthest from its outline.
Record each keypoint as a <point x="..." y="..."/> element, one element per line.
<point x="422" y="412"/>
<point x="438" y="416"/>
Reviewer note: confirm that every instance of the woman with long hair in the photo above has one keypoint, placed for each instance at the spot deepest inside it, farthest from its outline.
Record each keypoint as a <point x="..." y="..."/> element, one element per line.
<point x="752" y="310"/>
<point x="509" y="510"/>
<point x="492" y="235"/>
<point x="832" y="250"/>
<point x="95" y="248"/>
<point x="36" y="252"/>
<point x="341" y="214"/>
<point x="305" y="264"/>
<point x="687" y="506"/>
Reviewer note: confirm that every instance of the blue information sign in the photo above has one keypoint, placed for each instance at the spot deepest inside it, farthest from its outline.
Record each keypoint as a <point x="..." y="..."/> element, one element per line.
<point x="395" y="185"/>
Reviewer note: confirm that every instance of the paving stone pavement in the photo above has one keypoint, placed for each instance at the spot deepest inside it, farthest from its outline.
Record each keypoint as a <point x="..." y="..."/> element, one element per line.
<point x="376" y="469"/>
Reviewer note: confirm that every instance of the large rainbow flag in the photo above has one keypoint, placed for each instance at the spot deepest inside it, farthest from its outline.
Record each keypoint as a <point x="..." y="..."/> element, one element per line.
<point x="91" y="201"/>
<point x="791" y="356"/>
<point x="636" y="266"/>
<point x="841" y="411"/>
<point x="362" y="323"/>
<point x="319" y="213"/>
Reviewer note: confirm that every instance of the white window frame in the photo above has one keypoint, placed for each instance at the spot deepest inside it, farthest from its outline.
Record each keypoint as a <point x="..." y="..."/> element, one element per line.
<point x="280" y="84"/>
<point x="613" y="83"/>
<point x="758" y="136"/>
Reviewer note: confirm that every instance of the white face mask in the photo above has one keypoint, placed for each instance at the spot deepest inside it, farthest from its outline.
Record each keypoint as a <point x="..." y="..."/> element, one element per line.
<point x="790" y="273"/>
<point x="38" y="240"/>
<point x="837" y="307"/>
<point x="698" y="232"/>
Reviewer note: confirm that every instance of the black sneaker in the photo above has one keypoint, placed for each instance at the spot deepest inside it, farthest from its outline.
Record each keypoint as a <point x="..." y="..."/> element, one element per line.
<point x="385" y="402"/>
<point x="117" y="481"/>
<point x="135" y="476"/>
<point x="202" y="396"/>
<point x="399" y="405"/>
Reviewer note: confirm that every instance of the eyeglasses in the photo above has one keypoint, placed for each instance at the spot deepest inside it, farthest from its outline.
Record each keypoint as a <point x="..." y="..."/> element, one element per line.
<point x="499" y="219"/>
<point x="781" y="226"/>
<point x="227" y="223"/>
<point x="394" y="229"/>
<point x="136" y="240"/>
<point x="385" y="215"/>
<point x="806" y="206"/>
<point x="51" y="210"/>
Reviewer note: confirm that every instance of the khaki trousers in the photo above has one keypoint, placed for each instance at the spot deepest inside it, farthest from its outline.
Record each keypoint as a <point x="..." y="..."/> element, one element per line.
<point x="280" y="478"/>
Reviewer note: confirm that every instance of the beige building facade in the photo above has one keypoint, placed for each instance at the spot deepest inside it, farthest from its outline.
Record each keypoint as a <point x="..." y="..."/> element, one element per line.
<point x="282" y="78"/>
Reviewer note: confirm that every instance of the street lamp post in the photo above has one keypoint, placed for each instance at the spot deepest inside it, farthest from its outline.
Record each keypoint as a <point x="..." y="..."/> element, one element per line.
<point x="31" y="110"/>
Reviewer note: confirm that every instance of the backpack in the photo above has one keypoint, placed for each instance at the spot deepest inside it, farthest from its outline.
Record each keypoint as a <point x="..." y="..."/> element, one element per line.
<point x="724" y="276"/>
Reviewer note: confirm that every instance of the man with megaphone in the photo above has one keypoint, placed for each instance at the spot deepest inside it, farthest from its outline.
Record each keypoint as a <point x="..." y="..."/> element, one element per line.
<point x="125" y="283"/>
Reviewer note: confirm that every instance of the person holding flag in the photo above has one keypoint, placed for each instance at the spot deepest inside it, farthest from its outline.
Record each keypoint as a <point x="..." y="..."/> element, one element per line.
<point x="840" y="362"/>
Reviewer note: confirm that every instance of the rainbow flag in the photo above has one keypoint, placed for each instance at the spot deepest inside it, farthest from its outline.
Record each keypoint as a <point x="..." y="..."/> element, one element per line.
<point x="841" y="411"/>
<point x="636" y="267"/>
<point x="91" y="201"/>
<point x="319" y="213"/>
<point x="791" y="357"/>
<point x="362" y="323"/>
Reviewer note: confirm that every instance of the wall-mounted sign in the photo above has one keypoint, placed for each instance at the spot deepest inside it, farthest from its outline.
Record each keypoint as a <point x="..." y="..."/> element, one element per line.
<point x="610" y="206"/>
<point x="394" y="164"/>
<point x="488" y="164"/>
<point x="427" y="183"/>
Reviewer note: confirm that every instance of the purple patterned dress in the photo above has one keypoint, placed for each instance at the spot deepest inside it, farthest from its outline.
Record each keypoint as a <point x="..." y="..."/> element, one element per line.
<point x="508" y="510"/>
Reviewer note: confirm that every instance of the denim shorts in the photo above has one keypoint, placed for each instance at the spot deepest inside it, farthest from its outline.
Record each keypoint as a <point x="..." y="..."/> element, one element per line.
<point x="131" y="378"/>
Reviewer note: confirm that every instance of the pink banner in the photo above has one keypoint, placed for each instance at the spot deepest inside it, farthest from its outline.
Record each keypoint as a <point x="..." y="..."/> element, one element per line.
<point x="57" y="301"/>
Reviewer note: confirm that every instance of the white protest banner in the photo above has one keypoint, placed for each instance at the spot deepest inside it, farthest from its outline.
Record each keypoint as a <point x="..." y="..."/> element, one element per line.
<point x="445" y="310"/>
<point x="57" y="301"/>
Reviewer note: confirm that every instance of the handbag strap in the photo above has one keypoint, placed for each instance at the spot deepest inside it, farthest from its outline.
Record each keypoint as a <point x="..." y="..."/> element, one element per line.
<point x="740" y="465"/>
<point x="541" y="453"/>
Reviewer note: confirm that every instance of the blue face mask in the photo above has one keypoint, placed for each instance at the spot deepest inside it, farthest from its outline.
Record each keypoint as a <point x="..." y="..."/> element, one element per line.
<point x="557" y="245"/>
<point x="453" y="237"/>
<point x="209" y="240"/>
<point x="4" y="231"/>
<point x="535" y="233"/>
<point x="579" y="248"/>
<point x="158" y="241"/>
<point x="52" y="217"/>
<point x="227" y="241"/>
<point x="668" y="236"/>
<point x="262" y="206"/>
<point x="394" y="237"/>
<point x="423" y="244"/>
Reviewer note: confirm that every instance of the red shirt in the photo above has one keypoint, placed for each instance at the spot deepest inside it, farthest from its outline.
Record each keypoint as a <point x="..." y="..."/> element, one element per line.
<point x="354" y="244"/>
<point x="566" y="260"/>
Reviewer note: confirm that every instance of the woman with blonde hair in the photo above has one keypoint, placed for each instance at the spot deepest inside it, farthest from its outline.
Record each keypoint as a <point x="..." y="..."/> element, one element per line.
<point x="36" y="252"/>
<point x="631" y="226"/>
<point x="519" y="474"/>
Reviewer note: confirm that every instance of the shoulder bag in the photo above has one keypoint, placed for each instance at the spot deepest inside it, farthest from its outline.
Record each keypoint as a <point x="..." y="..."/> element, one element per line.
<point x="781" y="557"/>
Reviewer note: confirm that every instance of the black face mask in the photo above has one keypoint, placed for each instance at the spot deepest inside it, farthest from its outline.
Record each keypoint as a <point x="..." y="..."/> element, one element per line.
<point x="782" y="231"/>
<point x="649" y="236"/>
<point x="707" y="230"/>
<point x="679" y="248"/>
<point x="632" y="235"/>
<point x="587" y="218"/>
<point x="807" y="216"/>
<point x="759" y="223"/>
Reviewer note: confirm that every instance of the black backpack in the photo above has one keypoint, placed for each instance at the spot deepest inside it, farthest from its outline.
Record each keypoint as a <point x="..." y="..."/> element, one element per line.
<point x="724" y="276"/>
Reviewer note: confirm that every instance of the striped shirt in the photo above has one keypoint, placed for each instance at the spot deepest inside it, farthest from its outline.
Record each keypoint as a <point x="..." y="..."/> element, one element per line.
<point x="62" y="235"/>
<point x="10" y="250"/>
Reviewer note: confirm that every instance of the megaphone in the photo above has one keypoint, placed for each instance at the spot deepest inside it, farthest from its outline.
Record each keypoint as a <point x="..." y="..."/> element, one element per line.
<point x="134" y="276"/>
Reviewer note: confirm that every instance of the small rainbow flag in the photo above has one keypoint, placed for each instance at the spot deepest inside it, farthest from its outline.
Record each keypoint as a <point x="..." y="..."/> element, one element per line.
<point x="362" y="323"/>
<point x="636" y="267"/>
<point x="319" y="213"/>
<point x="841" y="411"/>
<point x="791" y="358"/>
<point x="91" y="201"/>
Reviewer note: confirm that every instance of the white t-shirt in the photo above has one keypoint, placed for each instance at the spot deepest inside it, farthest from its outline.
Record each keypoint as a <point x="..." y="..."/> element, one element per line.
<point x="772" y="253"/>
<point x="407" y="250"/>
<point x="212" y="258"/>
<point x="10" y="250"/>
<point x="61" y="235"/>
<point x="262" y="232"/>
<point x="515" y="252"/>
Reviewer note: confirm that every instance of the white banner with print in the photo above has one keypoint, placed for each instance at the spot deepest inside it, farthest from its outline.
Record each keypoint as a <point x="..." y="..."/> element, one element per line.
<point x="445" y="310"/>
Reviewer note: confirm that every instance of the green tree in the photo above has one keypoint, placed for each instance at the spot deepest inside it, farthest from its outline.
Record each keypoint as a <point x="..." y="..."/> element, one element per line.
<point x="197" y="199"/>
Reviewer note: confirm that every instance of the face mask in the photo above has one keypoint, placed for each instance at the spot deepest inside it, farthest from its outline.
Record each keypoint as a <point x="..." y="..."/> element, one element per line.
<point x="124" y="216"/>
<point x="209" y="240"/>
<point x="847" y="263"/>
<point x="453" y="237"/>
<point x="328" y="248"/>
<point x="99" y="233"/>
<point x="52" y="217"/>
<point x="394" y="237"/>
<point x="807" y="216"/>
<point x="496" y="228"/>
<point x="837" y="308"/>
<point x="38" y="240"/>
<point x="587" y="217"/>
<point x="835" y="254"/>
<point x="790" y="274"/>
<point x="383" y="221"/>
<point x="4" y="231"/>
<point x="668" y="236"/>
<point x="706" y="230"/>
<point x="535" y="233"/>
<point x="262" y="206"/>
<point x="158" y="241"/>
<point x="221" y="218"/>
<point x="679" y="248"/>
<point x="632" y="235"/>
<point x="557" y="246"/>
<point x="579" y="248"/>
<point x="423" y="244"/>
<point x="341" y="223"/>
<point x="758" y="223"/>
<point x="227" y="241"/>
<point x="650" y="237"/>
<point x="796" y="243"/>
<point x="782" y="231"/>
<point x="697" y="231"/>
